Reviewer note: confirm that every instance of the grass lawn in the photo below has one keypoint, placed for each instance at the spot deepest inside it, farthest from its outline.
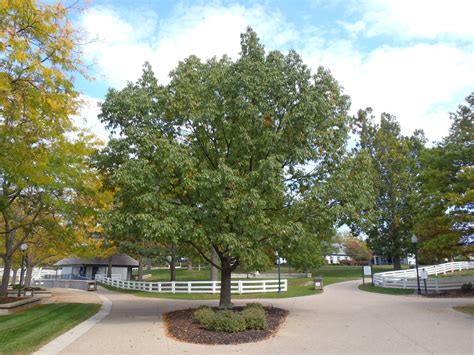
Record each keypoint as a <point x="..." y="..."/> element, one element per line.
<point x="26" y="331"/>
<point x="386" y="291"/>
<point x="465" y="309"/>
<point x="455" y="274"/>
<point x="181" y="274"/>
<point x="335" y="273"/>
<point x="296" y="287"/>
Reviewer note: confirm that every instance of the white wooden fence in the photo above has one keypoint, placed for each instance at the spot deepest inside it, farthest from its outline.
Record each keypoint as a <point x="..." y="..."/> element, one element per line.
<point x="239" y="286"/>
<point x="407" y="278"/>
<point x="114" y="276"/>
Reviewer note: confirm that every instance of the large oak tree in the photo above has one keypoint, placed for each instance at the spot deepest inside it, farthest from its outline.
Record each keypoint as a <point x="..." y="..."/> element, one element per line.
<point x="245" y="157"/>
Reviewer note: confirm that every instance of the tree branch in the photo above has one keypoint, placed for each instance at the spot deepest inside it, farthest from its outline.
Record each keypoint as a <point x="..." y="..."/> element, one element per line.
<point x="204" y="255"/>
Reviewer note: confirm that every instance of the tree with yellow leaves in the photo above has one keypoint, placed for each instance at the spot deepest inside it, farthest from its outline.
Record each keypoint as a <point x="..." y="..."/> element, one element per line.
<point x="43" y="159"/>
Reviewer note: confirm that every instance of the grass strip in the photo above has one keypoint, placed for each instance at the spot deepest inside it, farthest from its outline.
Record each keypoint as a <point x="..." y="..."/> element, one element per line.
<point x="465" y="309"/>
<point x="386" y="291"/>
<point x="28" y="330"/>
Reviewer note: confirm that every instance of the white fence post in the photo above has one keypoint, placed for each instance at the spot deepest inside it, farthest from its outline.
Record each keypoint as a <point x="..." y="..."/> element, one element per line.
<point x="173" y="287"/>
<point x="240" y="286"/>
<point x="159" y="287"/>
<point x="213" y="287"/>
<point x="189" y="286"/>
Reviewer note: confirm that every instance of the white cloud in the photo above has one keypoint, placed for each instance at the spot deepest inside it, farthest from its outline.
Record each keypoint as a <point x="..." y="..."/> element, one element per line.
<point x="417" y="84"/>
<point x="419" y="18"/>
<point x="205" y="31"/>
<point x="87" y="118"/>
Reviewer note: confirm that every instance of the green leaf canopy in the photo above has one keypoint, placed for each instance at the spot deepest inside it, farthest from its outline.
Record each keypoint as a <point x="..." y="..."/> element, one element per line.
<point x="244" y="156"/>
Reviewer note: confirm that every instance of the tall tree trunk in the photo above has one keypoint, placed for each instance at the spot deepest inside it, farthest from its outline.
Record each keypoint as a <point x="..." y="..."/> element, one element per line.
<point x="214" y="259"/>
<point x="29" y="272"/>
<point x="397" y="263"/>
<point x="225" y="300"/>
<point x="173" y="264"/>
<point x="140" y="268"/>
<point x="7" y="265"/>
<point x="109" y="268"/>
<point x="173" y="268"/>
<point x="15" y="272"/>
<point x="190" y="265"/>
<point x="148" y="264"/>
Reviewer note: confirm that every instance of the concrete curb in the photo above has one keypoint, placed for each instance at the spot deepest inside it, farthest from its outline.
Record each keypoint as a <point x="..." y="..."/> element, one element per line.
<point x="58" y="344"/>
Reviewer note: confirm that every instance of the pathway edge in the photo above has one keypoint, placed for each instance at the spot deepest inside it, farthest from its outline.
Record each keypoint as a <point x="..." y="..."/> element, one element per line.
<point x="60" y="343"/>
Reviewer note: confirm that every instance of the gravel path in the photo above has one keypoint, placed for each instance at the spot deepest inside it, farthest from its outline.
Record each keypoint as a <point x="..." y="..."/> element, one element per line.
<point x="341" y="320"/>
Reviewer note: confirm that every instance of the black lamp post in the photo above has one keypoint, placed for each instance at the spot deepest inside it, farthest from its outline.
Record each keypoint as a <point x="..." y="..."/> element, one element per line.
<point x="414" y="240"/>
<point x="23" y="248"/>
<point x="279" y="273"/>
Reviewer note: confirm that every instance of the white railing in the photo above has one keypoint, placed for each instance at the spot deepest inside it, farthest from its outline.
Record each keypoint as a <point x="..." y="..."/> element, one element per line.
<point x="432" y="284"/>
<point x="114" y="276"/>
<point x="407" y="278"/>
<point x="240" y="286"/>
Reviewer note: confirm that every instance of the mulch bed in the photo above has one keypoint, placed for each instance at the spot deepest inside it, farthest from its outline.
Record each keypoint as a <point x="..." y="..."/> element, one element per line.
<point x="4" y="300"/>
<point x="181" y="326"/>
<point x="451" y="293"/>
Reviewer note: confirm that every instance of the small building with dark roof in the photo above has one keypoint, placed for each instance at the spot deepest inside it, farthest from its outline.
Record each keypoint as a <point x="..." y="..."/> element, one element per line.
<point x="122" y="266"/>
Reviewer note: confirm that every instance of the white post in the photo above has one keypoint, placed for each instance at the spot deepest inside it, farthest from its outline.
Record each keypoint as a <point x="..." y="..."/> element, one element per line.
<point x="240" y="286"/>
<point x="159" y="287"/>
<point x="173" y="287"/>
<point x="213" y="287"/>
<point x="264" y="286"/>
<point x="189" y="286"/>
<point x="404" y="283"/>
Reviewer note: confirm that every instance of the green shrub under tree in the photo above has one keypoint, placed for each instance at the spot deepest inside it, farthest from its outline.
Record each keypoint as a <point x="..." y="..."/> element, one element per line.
<point x="252" y="318"/>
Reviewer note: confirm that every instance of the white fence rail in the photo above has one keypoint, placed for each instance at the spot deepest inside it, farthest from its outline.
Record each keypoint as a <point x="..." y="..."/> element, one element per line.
<point x="407" y="278"/>
<point x="239" y="286"/>
<point x="114" y="276"/>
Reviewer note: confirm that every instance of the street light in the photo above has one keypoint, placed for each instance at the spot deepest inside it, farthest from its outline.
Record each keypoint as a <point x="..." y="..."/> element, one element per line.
<point x="23" y="248"/>
<point x="279" y="273"/>
<point x="414" y="240"/>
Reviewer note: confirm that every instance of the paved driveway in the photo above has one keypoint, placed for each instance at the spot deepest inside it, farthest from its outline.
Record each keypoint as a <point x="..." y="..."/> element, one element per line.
<point x="341" y="320"/>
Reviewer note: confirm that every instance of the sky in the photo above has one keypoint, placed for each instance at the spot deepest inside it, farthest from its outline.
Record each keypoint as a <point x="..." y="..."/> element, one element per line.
<point x="411" y="58"/>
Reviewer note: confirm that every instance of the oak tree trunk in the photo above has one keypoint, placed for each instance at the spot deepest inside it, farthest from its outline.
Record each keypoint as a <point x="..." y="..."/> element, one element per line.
<point x="29" y="273"/>
<point x="225" y="301"/>
<point x="397" y="263"/>
<point x="7" y="265"/>
<point x="15" y="272"/>
<point x="214" y="259"/>
<point x="173" y="268"/>
<point x="140" y="268"/>
<point x="109" y="268"/>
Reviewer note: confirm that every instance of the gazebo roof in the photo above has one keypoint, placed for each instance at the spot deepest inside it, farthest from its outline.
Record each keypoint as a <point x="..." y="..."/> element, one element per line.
<point x="117" y="260"/>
